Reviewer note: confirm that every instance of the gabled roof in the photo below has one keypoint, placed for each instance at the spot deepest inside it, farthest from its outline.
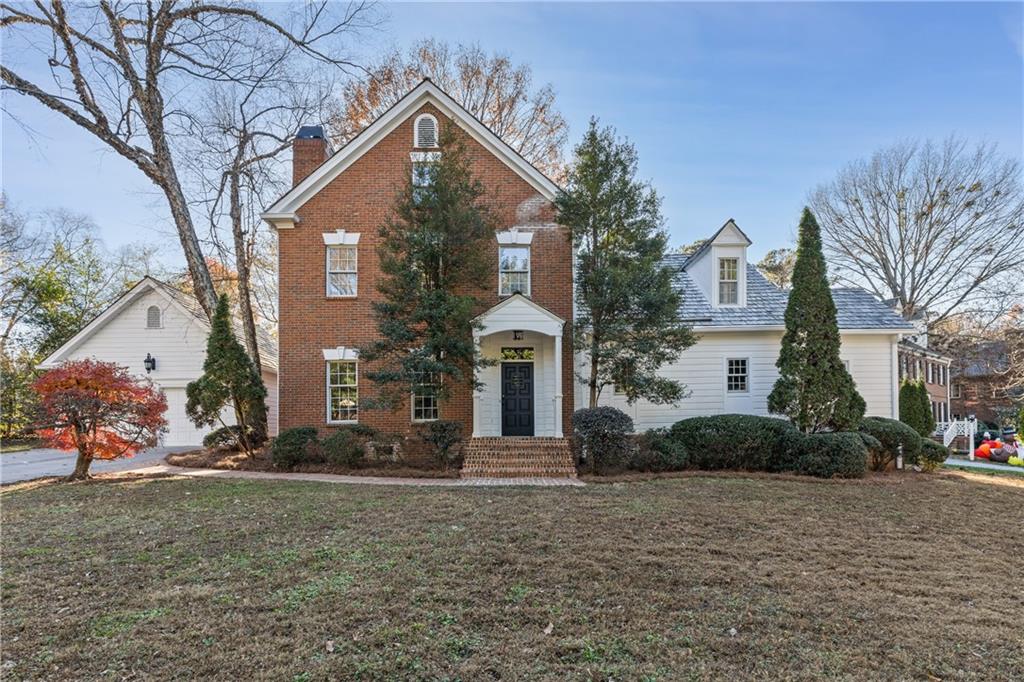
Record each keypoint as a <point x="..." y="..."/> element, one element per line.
<point x="283" y="209"/>
<point x="185" y="303"/>
<point x="519" y="312"/>
<point x="708" y="243"/>
<point x="766" y="305"/>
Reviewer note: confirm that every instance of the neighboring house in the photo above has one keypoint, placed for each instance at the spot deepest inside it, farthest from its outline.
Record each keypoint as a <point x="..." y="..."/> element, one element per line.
<point x="978" y="386"/>
<point x="329" y="272"/>
<point x="739" y="317"/>
<point x="155" y="320"/>
<point x="918" y="361"/>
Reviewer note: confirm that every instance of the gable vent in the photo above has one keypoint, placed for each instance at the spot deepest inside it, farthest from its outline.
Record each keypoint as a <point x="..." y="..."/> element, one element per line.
<point x="153" y="317"/>
<point x="426" y="131"/>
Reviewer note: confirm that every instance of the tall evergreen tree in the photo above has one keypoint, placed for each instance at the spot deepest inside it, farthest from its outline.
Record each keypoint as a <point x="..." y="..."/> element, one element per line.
<point x="814" y="389"/>
<point x="916" y="408"/>
<point x="229" y="378"/>
<point x="434" y="254"/>
<point x="627" y="318"/>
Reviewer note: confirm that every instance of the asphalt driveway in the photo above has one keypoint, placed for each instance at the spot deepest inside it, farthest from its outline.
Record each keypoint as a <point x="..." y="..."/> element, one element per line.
<point x="22" y="466"/>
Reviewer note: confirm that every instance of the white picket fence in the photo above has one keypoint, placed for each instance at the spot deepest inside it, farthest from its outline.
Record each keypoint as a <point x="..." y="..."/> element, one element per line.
<point x="960" y="427"/>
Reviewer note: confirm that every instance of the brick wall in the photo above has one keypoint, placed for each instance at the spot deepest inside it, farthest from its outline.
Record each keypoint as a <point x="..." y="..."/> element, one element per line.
<point x="359" y="200"/>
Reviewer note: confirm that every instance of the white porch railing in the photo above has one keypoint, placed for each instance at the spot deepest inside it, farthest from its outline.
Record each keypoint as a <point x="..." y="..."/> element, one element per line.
<point x="961" y="427"/>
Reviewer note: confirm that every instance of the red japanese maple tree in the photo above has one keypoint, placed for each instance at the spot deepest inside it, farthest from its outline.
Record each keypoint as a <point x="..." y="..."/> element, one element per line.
<point x="100" y="410"/>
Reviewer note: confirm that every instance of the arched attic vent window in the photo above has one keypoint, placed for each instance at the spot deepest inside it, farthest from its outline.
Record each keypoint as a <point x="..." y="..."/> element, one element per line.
<point x="153" y="316"/>
<point x="425" y="134"/>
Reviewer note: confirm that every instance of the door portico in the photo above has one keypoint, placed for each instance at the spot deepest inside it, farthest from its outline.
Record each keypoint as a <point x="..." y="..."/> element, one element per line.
<point x="521" y="393"/>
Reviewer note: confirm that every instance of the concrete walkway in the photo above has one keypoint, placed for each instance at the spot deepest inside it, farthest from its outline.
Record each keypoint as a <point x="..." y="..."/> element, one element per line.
<point x="982" y="464"/>
<point x="358" y="480"/>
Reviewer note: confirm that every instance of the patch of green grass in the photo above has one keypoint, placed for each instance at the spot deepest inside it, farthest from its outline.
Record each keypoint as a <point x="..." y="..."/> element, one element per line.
<point x="293" y="598"/>
<point x="8" y="446"/>
<point x="111" y="625"/>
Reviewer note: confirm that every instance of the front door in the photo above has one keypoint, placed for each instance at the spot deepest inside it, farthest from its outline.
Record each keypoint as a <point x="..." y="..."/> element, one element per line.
<point x="517" y="399"/>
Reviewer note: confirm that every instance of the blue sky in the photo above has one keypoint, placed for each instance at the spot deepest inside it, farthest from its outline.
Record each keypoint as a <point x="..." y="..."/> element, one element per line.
<point x="737" y="110"/>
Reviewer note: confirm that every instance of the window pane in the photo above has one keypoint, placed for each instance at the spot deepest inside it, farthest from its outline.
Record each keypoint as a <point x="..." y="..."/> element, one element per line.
<point x="515" y="258"/>
<point x="511" y="282"/>
<point x="727" y="293"/>
<point x="341" y="284"/>
<point x="727" y="269"/>
<point x="736" y="375"/>
<point x="341" y="259"/>
<point x="343" y="395"/>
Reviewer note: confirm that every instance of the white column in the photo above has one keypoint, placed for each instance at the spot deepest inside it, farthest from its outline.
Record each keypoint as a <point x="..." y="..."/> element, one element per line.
<point x="477" y="397"/>
<point x="558" y="386"/>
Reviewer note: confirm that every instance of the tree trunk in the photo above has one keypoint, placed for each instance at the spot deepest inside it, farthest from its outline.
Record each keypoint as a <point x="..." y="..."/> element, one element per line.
<point x="593" y="373"/>
<point x="81" y="471"/>
<point x="202" y="282"/>
<point x="242" y="267"/>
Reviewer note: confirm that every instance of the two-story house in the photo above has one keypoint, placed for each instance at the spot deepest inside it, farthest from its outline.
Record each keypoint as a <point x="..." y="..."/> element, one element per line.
<point x="329" y="272"/>
<point x="328" y="225"/>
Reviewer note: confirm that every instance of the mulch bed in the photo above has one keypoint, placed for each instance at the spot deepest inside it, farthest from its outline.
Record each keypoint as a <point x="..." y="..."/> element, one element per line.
<point x="229" y="459"/>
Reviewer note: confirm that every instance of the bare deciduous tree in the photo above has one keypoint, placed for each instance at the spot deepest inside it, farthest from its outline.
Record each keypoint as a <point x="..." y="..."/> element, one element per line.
<point x="933" y="226"/>
<point x="237" y="140"/>
<point x="125" y="71"/>
<point x="490" y="87"/>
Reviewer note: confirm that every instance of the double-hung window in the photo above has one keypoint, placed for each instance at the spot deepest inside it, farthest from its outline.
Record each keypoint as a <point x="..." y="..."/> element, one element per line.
<point x="736" y="375"/>
<point x="513" y="270"/>
<point x="342" y="272"/>
<point x="424" y="398"/>
<point x="342" y="391"/>
<point x="728" y="281"/>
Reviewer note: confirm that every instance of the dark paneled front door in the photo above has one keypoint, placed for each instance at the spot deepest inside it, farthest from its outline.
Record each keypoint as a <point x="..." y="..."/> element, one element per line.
<point x="517" y="399"/>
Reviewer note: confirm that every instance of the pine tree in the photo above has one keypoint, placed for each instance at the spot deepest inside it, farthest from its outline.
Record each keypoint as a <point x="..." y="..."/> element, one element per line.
<point x="229" y="378"/>
<point x="434" y="253"/>
<point x="627" y="319"/>
<point x="814" y="389"/>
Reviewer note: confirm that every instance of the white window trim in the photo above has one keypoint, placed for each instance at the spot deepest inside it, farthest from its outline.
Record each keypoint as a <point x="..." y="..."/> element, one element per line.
<point x="956" y="391"/>
<point x="327" y="388"/>
<point x="416" y="131"/>
<point x="529" y="271"/>
<point x="341" y="353"/>
<point x="719" y="281"/>
<point x="425" y="157"/>
<point x="514" y="237"/>
<point x="160" y="323"/>
<point x="341" y="238"/>
<point x="327" y="269"/>
<point x="747" y="375"/>
<point x="412" y="410"/>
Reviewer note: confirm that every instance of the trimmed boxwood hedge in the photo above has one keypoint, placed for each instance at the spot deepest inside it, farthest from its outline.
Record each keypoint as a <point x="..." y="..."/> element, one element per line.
<point x="933" y="454"/>
<point x="829" y="455"/>
<point x="292" y="446"/>
<point x="657" y="450"/>
<point x="891" y="434"/>
<point x="738" y="441"/>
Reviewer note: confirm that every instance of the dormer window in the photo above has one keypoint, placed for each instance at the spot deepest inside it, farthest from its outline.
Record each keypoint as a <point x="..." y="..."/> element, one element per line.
<point x="425" y="131"/>
<point x="728" y="281"/>
<point x="154" y="317"/>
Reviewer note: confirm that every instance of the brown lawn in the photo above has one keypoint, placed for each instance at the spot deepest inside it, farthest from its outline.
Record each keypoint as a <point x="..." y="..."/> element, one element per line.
<point x="697" y="577"/>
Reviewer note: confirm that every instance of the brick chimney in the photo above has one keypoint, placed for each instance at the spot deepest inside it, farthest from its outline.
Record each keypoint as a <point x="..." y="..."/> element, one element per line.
<point x="309" y="150"/>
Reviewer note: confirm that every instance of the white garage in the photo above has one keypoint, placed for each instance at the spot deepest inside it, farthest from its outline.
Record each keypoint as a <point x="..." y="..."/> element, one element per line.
<point x="156" y="321"/>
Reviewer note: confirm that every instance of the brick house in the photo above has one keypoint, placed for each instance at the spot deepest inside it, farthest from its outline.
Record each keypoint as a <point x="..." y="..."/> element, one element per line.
<point x="978" y="385"/>
<point x="327" y="227"/>
<point x="919" y="363"/>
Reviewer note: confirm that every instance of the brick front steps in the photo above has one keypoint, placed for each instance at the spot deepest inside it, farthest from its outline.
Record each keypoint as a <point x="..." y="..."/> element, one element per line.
<point x="518" y="457"/>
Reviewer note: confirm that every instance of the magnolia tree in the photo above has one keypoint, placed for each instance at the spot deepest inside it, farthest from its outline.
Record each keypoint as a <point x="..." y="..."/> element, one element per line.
<point x="100" y="410"/>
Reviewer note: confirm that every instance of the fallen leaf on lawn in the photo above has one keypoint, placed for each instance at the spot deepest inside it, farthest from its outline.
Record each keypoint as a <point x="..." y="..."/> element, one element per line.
<point x="549" y="628"/>
<point x="330" y="646"/>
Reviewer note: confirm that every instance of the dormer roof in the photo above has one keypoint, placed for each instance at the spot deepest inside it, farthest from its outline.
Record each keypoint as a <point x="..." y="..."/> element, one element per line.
<point x="729" y="234"/>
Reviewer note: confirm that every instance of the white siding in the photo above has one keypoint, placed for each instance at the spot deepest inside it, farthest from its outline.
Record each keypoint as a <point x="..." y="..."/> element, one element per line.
<point x="179" y="347"/>
<point x="702" y="368"/>
<point x="488" y="400"/>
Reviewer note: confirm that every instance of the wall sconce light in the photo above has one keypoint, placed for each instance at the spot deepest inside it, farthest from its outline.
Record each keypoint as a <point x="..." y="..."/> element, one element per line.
<point x="150" y="363"/>
<point x="517" y="335"/>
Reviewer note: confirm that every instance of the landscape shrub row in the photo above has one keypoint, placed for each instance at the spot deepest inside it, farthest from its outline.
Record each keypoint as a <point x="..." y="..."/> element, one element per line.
<point x="350" y="447"/>
<point x="748" y="443"/>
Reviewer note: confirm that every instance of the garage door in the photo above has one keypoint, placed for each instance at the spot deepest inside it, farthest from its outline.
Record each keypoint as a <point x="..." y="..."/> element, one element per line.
<point x="180" y="430"/>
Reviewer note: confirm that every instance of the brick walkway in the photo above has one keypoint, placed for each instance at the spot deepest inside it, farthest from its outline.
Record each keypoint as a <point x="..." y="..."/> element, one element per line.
<point x="358" y="480"/>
